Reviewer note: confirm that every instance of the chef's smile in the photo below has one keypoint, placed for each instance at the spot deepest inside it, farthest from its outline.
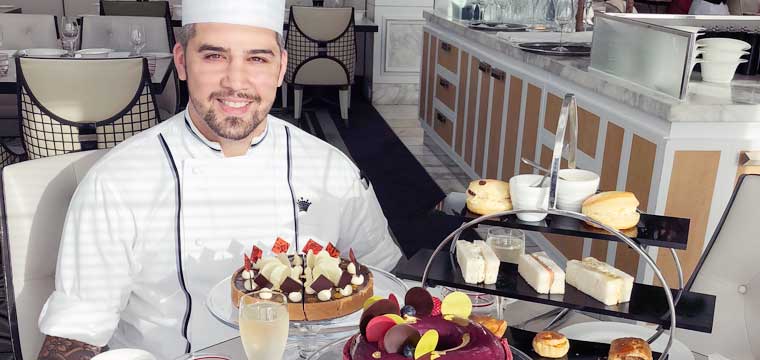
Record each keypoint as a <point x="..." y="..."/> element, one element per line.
<point x="234" y="106"/>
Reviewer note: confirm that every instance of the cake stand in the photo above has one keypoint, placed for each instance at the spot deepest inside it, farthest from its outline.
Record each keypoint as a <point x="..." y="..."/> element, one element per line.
<point x="569" y="116"/>
<point x="310" y="335"/>
<point x="334" y="350"/>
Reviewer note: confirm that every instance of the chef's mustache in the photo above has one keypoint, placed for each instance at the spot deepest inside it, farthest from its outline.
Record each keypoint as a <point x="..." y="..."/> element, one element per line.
<point x="236" y="94"/>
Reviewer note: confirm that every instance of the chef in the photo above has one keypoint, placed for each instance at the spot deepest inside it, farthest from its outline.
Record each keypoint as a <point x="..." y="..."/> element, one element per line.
<point x="168" y="214"/>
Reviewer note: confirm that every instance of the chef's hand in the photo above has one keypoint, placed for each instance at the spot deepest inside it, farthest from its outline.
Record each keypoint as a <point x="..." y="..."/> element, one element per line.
<point x="60" y="348"/>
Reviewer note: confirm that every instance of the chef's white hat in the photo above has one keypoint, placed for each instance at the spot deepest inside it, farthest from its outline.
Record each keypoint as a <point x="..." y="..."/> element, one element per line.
<point x="268" y="14"/>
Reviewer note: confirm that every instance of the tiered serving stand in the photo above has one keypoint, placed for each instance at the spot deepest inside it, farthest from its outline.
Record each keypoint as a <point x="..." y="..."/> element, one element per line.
<point x="652" y="304"/>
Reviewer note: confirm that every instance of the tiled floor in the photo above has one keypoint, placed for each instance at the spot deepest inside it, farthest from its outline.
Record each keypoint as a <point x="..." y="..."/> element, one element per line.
<point x="404" y="122"/>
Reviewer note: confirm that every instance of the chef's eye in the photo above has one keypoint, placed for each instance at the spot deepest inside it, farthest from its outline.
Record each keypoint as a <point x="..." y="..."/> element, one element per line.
<point x="213" y="57"/>
<point x="259" y="59"/>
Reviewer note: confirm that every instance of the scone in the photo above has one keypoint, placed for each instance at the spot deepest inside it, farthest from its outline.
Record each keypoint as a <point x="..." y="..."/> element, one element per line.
<point x="616" y="209"/>
<point x="629" y="349"/>
<point x="485" y="197"/>
<point x="551" y="344"/>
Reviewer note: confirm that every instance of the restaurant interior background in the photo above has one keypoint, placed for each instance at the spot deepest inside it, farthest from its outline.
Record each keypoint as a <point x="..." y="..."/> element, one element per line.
<point x="456" y="100"/>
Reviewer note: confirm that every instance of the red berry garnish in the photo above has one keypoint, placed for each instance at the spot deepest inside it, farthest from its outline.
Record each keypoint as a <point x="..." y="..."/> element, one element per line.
<point x="436" y="307"/>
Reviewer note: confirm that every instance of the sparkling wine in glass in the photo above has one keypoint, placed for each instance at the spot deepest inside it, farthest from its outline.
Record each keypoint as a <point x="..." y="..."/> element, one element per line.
<point x="69" y="33"/>
<point x="263" y="321"/>
<point x="137" y="37"/>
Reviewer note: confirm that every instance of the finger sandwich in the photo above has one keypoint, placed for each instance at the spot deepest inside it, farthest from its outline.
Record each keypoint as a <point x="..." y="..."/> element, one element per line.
<point x="478" y="262"/>
<point x="542" y="273"/>
<point x="600" y="280"/>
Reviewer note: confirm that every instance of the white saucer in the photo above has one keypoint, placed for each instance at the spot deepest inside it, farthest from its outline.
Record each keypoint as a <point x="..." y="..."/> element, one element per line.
<point x="44" y="52"/>
<point x="125" y="354"/>
<point x="605" y="332"/>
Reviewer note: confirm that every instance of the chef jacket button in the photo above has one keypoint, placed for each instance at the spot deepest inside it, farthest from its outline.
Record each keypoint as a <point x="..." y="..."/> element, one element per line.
<point x="742" y="289"/>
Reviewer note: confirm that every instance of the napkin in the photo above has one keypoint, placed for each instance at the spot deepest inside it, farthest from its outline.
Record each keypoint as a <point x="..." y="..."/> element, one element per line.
<point x="522" y="37"/>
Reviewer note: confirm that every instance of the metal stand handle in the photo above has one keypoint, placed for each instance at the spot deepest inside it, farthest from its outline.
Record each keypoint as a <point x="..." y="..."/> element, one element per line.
<point x="569" y="114"/>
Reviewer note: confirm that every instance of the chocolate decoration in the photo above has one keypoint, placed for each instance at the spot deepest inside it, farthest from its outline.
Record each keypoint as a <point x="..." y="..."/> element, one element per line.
<point x="321" y="283"/>
<point x="398" y="336"/>
<point x="471" y="192"/>
<point x="380" y="307"/>
<point x="262" y="282"/>
<point x="420" y="299"/>
<point x="345" y="279"/>
<point x="363" y="270"/>
<point x="481" y="182"/>
<point x="352" y="257"/>
<point x="289" y="285"/>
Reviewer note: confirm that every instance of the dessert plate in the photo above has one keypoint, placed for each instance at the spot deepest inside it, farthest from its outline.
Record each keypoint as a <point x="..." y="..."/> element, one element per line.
<point x="43" y="52"/>
<point x="220" y="305"/>
<point x="605" y="332"/>
<point x="334" y="350"/>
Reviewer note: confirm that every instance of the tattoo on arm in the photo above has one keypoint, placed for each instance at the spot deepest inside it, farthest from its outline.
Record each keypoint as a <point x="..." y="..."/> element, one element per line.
<point x="56" y="348"/>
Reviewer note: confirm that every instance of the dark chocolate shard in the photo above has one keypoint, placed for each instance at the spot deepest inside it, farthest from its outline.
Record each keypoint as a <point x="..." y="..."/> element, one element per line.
<point x="289" y="286"/>
<point x="398" y="336"/>
<point x="345" y="279"/>
<point x="420" y="299"/>
<point x="321" y="283"/>
<point x="262" y="282"/>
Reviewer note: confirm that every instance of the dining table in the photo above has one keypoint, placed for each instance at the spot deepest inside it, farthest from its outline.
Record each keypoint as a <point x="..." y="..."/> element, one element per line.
<point x="523" y="314"/>
<point x="159" y="79"/>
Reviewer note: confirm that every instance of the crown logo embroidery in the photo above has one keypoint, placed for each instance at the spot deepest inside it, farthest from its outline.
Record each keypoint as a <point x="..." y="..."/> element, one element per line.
<point x="303" y="204"/>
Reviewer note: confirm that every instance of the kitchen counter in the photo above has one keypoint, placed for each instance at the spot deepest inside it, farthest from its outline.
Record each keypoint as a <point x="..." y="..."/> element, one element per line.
<point x="705" y="102"/>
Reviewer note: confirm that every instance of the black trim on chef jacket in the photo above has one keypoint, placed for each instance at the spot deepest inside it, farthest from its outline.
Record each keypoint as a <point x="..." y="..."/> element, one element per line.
<point x="290" y="186"/>
<point x="180" y="273"/>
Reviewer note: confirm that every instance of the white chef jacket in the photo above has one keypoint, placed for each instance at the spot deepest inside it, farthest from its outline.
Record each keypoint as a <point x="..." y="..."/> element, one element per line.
<point x="164" y="216"/>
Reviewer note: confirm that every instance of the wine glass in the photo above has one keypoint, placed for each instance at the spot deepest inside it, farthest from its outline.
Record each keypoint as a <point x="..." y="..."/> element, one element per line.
<point x="69" y="33"/>
<point x="137" y="37"/>
<point x="564" y="12"/>
<point x="264" y="320"/>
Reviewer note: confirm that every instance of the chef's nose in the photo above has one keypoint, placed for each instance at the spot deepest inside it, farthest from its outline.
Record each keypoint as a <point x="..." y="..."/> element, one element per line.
<point x="235" y="77"/>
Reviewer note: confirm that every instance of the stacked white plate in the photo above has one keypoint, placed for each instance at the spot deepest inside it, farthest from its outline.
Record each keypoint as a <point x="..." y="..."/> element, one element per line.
<point x="720" y="57"/>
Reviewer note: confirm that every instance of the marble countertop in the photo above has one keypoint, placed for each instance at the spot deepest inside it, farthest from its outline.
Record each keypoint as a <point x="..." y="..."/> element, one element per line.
<point x="705" y="102"/>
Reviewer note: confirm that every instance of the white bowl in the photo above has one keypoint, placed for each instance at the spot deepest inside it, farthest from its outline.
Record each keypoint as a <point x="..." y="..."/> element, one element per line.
<point x="526" y="197"/>
<point x="724" y="43"/>
<point x="125" y="354"/>
<point x="95" y="52"/>
<point x="44" y="52"/>
<point x="722" y="55"/>
<point x="721" y="72"/>
<point x="577" y="187"/>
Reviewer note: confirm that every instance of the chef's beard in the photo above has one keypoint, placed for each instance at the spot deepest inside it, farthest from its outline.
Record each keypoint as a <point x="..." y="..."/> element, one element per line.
<point x="234" y="127"/>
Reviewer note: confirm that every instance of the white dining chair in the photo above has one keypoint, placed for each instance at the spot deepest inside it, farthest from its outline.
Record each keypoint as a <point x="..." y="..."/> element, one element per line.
<point x="729" y="269"/>
<point x="35" y="198"/>
<point x="112" y="32"/>
<point x="59" y="114"/>
<point x="321" y="46"/>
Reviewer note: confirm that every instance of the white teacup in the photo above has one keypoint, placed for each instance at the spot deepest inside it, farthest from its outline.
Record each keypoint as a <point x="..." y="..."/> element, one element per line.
<point x="576" y="187"/>
<point x="527" y="197"/>
<point x="721" y="72"/>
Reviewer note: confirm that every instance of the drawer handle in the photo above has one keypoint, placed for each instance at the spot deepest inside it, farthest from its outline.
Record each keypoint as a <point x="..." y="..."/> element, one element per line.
<point x="445" y="46"/>
<point x="484" y="67"/>
<point x="498" y="74"/>
<point x="440" y="117"/>
<point x="444" y="83"/>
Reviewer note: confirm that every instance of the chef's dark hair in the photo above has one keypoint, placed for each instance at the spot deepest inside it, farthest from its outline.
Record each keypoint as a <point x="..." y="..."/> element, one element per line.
<point x="188" y="31"/>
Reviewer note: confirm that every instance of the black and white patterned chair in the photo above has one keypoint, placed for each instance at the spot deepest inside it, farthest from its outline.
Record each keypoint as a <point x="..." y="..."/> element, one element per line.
<point x="321" y="46"/>
<point x="8" y="157"/>
<point x="69" y="105"/>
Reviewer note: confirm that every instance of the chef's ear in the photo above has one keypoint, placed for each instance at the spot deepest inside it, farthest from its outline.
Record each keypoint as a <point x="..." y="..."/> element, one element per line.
<point x="283" y="66"/>
<point x="179" y="61"/>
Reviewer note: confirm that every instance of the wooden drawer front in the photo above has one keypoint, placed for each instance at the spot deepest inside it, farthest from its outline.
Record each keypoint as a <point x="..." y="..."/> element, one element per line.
<point x="446" y="92"/>
<point x="423" y="74"/>
<point x="444" y="127"/>
<point x="430" y="79"/>
<point x="498" y="77"/>
<point x="448" y="55"/>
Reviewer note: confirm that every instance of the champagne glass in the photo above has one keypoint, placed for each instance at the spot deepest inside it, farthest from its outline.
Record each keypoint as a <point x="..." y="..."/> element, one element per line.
<point x="564" y="14"/>
<point x="69" y="33"/>
<point x="263" y="320"/>
<point x="137" y="37"/>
